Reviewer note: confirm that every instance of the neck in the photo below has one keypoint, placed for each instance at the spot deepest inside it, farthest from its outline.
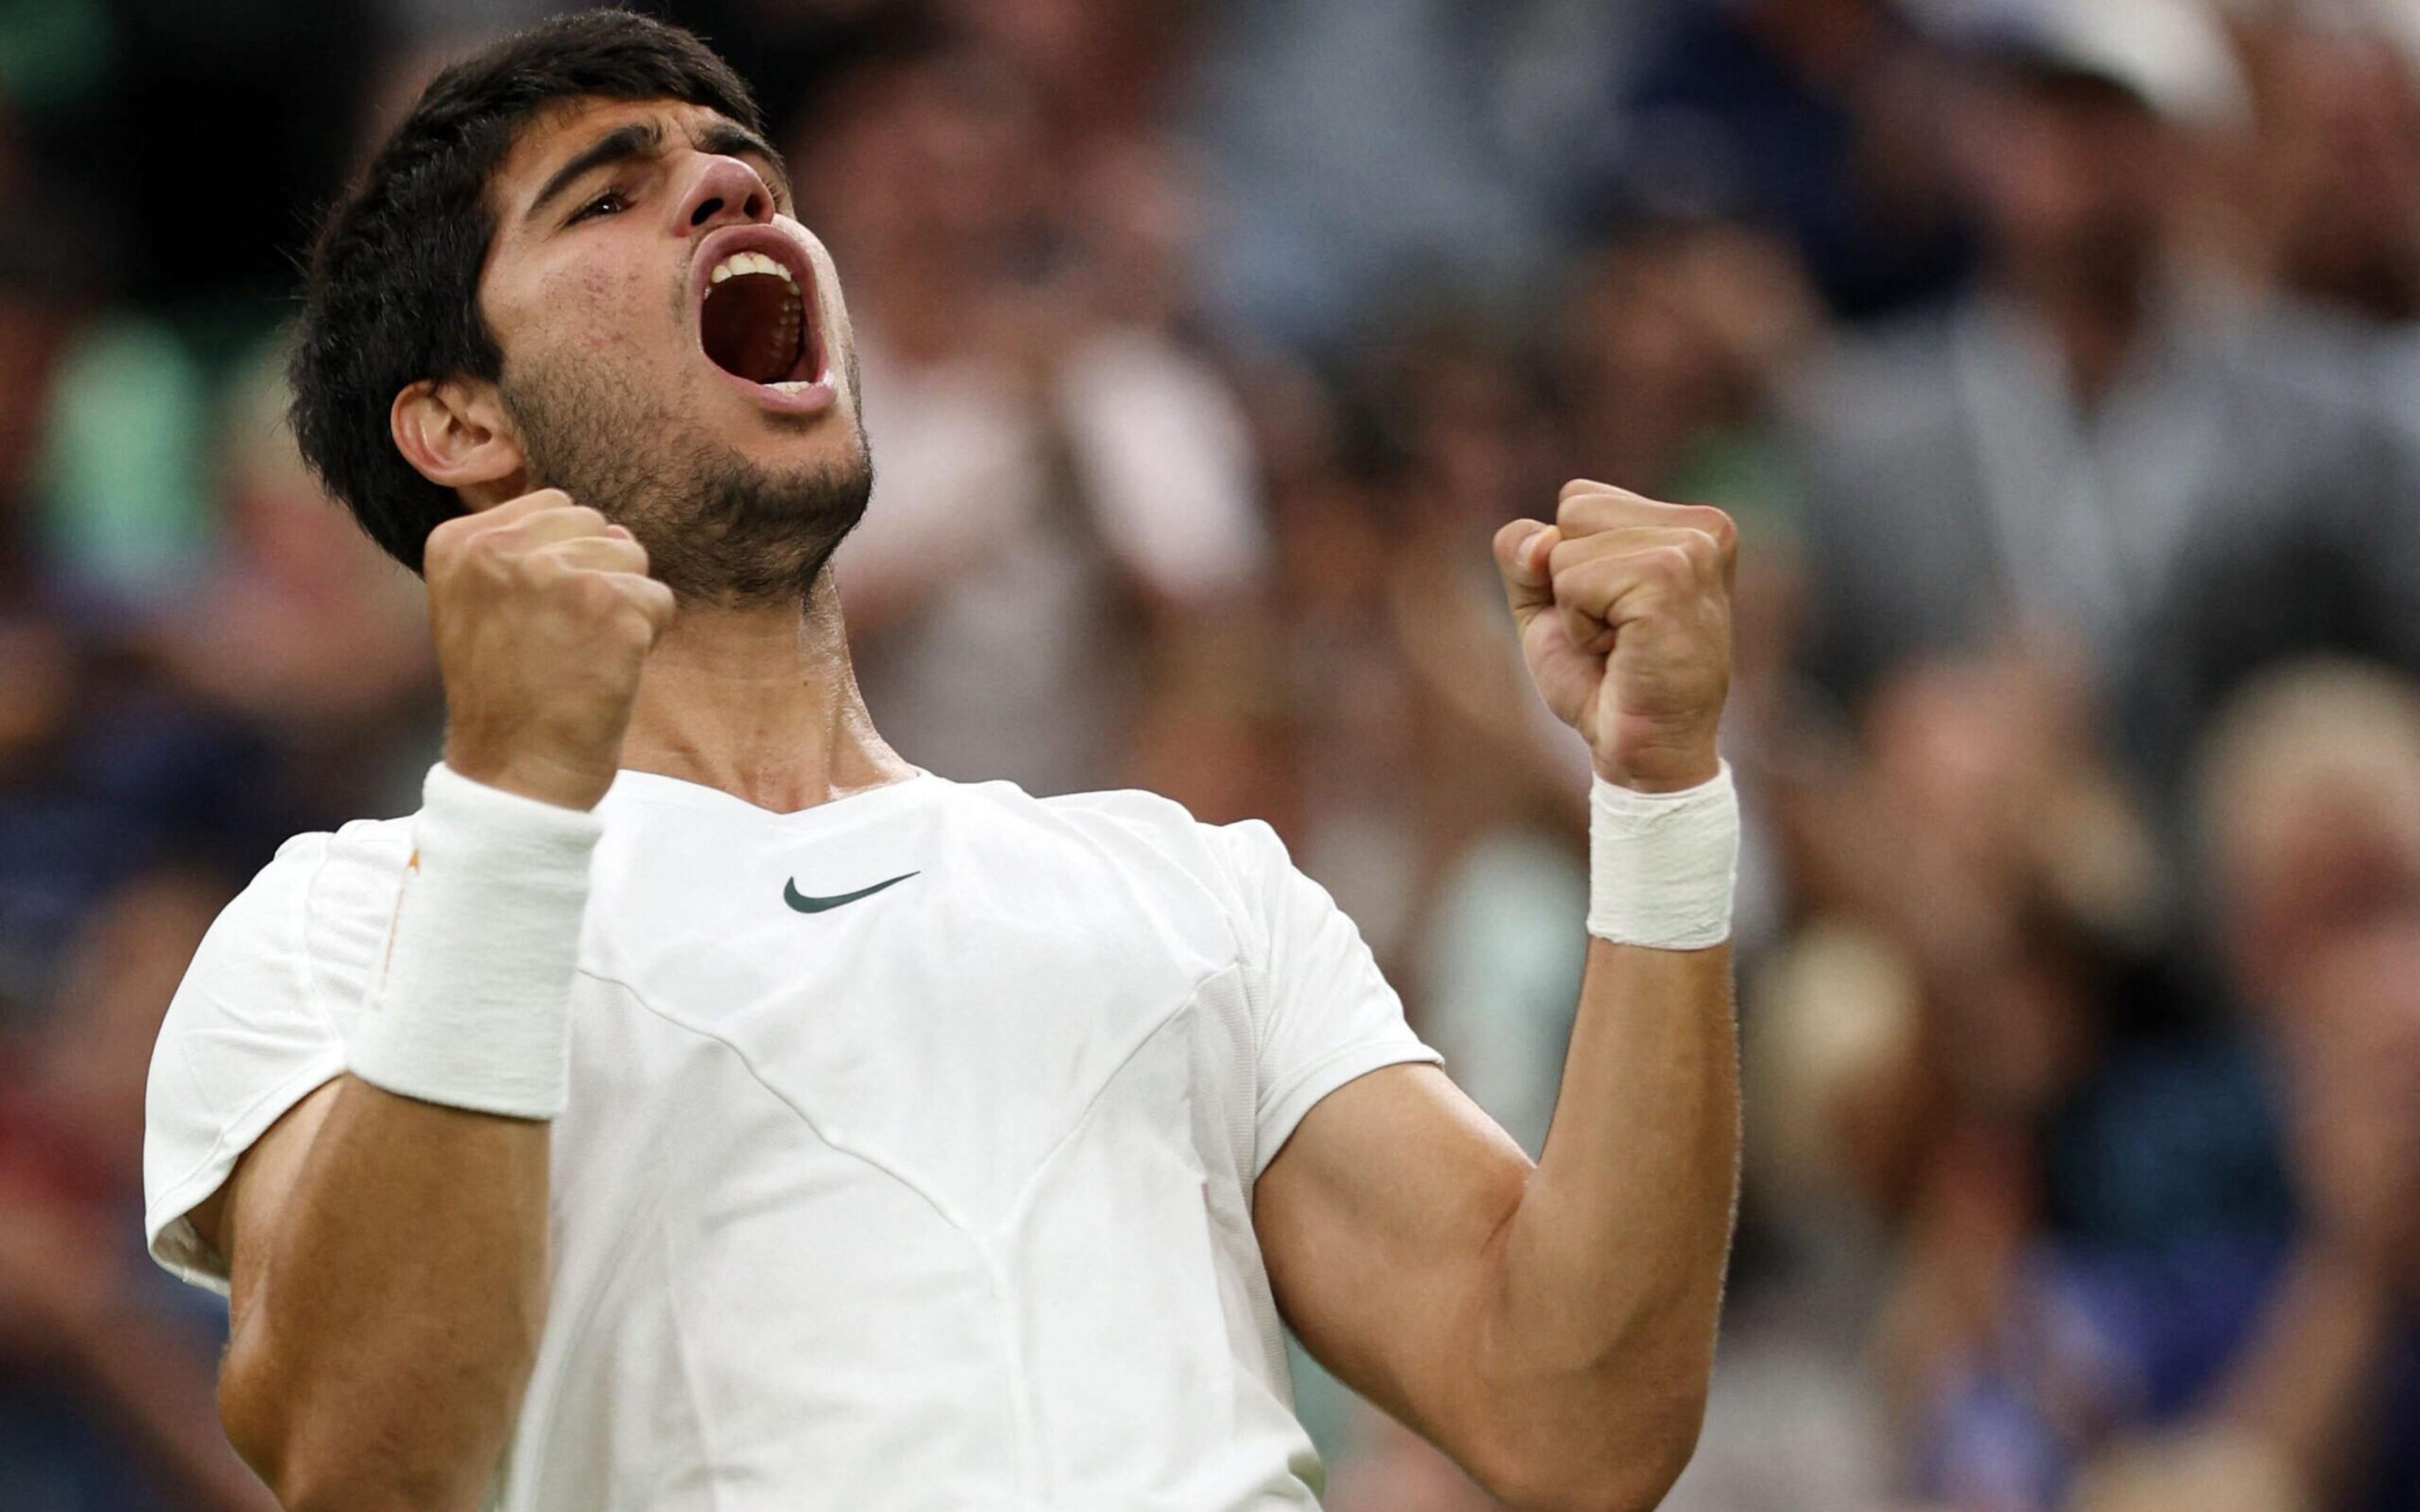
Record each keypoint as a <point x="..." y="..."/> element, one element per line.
<point x="762" y="702"/>
<point x="2094" y="316"/>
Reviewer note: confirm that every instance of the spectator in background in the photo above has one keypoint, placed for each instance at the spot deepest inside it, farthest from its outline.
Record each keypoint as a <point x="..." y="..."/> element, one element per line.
<point x="2039" y="460"/>
<point x="1951" y="1055"/>
<point x="2309" y="808"/>
<point x="1059" y="470"/>
<point x="2332" y="165"/>
<point x="101" y="770"/>
<point x="1098" y="68"/>
<point x="1670" y="346"/>
<point x="39" y="298"/>
<point x="1812" y="115"/>
<point x="298" y="627"/>
<point x="108" y="1393"/>
<point x="2330" y="212"/>
<point x="2333" y="200"/>
<point x="1369" y="152"/>
<point x="2243" y="1367"/>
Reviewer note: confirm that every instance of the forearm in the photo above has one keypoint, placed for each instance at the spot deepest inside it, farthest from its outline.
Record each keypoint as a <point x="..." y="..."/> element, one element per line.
<point x="1608" y="1275"/>
<point x="396" y="1316"/>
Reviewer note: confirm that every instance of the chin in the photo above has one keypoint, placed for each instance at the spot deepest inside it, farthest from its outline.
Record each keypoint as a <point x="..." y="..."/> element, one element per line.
<point x="819" y="440"/>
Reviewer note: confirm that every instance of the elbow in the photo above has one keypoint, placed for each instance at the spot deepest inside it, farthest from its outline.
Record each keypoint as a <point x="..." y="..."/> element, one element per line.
<point x="309" y="1463"/>
<point x="312" y="1481"/>
<point x="1622" y="1456"/>
<point x="248" y="1413"/>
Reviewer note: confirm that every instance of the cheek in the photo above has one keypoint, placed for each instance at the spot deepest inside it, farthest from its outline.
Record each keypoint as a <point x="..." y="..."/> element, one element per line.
<point x="595" y="310"/>
<point x="617" y="310"/>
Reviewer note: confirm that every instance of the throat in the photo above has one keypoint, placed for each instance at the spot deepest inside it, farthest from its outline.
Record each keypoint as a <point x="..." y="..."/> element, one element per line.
<point x="760" y="702"/>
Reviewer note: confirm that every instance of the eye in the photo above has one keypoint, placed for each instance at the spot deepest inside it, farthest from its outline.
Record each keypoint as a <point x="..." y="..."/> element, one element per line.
<point x="610" y="202"/>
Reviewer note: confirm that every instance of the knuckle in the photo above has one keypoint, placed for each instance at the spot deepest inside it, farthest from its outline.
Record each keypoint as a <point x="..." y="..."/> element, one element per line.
<point x="489" y="537"/>
<point x="1676" y="563"/>
<point x="635" y="622"/>
<point x="592" y="592"/>
<point x="1590" y="586"/>
<point x="490" y="555"/>
<point x="1715" y="523"/>
<point x="647" y="607"/>
<point x="542" y="571"/>
<point x="446" y="541"/>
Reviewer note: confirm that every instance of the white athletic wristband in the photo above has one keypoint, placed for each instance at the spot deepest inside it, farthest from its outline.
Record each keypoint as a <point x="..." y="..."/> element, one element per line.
<point x="1662" y="865"/>
<point x="473" y="1007"/>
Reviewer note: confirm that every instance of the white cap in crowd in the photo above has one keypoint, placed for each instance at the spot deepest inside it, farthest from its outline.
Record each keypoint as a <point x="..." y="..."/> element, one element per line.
<point x="2174" y="56"/>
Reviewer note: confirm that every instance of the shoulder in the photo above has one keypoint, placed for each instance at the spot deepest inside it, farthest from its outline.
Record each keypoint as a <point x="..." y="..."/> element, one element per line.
<point x="1244" y="865"/>
<point x="1168" y="828"/>
<point x="297" y="944"/>
<point x="254" y="1025"/>
<point x="313" y="877"/>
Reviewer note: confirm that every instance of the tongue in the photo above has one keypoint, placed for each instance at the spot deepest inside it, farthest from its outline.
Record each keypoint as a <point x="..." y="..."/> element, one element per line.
<point x="748" y="329"/>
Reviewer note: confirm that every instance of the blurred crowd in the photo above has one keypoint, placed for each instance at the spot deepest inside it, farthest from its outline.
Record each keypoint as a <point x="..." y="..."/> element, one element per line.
<point x="2060" y="359"/>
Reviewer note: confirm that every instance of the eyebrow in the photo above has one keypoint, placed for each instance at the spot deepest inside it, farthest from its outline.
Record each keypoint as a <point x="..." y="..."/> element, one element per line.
<point x="645" y="139"/>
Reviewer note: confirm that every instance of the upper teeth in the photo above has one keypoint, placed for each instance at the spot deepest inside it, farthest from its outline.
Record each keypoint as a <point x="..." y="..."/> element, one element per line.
<point x="750" y="262"/>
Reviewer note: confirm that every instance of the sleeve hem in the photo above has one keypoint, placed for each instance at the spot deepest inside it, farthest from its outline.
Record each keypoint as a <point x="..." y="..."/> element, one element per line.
<point x="173" y="1243"/>
<point x="1286" y="1106"/>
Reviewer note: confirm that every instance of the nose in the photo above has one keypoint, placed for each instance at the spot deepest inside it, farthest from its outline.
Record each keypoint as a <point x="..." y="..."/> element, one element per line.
<point x="725" y="191"/>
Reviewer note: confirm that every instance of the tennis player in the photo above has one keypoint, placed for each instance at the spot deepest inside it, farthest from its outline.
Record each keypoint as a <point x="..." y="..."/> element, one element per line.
<point x="696" y="1107"/>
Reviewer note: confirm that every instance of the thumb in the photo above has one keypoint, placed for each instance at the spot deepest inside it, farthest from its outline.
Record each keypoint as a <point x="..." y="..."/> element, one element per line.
<point x="1522" y="549"/>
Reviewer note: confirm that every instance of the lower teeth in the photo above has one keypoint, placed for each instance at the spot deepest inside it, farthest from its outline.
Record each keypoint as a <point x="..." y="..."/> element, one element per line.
<point x="789" y="386"/>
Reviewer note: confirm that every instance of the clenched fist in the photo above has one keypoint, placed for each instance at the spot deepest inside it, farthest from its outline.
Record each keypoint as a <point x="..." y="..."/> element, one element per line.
<point x="544" y="615"/>
<point x="1624" y="610"/>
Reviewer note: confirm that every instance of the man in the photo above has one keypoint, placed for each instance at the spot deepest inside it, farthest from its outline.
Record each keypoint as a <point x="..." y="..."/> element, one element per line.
<point x="695" y="1106"/>
<point x="2080" y="449"/>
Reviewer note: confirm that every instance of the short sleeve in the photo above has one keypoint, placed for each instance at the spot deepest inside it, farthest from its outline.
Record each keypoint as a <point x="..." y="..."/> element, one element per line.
<point x="252" y="1029"/>
<point x="1323" y="1014"/>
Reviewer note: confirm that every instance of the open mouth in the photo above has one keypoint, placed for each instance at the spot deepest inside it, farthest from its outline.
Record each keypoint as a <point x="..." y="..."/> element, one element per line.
<point x="754" y="324"/>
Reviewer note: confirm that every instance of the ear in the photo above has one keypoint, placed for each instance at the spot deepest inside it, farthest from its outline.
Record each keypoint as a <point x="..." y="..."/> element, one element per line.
<point x="457" y="434"/>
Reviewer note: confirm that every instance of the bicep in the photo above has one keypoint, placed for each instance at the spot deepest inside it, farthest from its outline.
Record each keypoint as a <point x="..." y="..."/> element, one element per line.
<point x="1380" y="1222"/>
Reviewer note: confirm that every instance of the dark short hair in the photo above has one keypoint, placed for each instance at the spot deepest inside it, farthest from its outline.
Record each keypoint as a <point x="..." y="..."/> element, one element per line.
<point x="392" y="291"/>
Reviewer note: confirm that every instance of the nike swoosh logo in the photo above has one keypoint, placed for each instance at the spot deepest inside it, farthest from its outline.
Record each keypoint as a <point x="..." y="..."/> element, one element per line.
<point x="800" y="901"/>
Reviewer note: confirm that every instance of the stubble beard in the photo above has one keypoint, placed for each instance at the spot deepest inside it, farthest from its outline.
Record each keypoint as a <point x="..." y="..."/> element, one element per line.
<point x="719" y="527"/>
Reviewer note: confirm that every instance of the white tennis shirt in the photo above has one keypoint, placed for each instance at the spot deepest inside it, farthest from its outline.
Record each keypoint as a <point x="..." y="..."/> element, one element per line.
<point x="938" y="1199"/>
